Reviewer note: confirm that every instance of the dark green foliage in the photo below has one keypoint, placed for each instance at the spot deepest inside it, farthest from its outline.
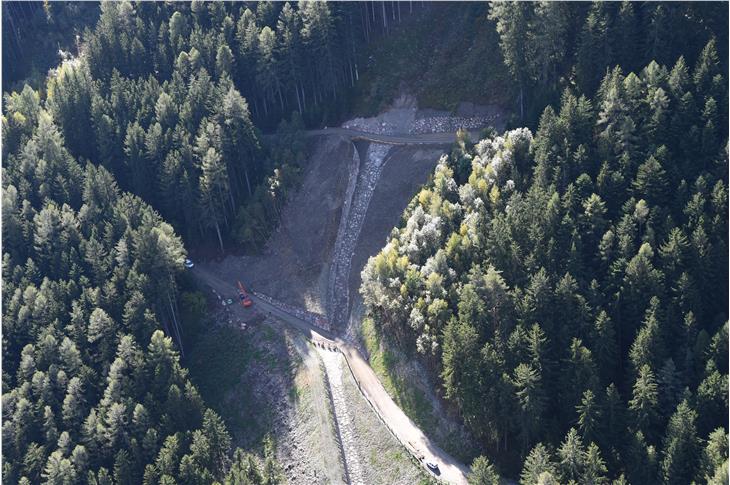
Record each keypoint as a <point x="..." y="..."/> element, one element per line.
<point x="37" y="35"/>
<point x="568" y="287"/>
<point x="577" y="296"/>
<point x="159" y="88"/>
<point x="681" y="446"/>
<point x="483" y="472"/>
<point x="281" y="56"/>
<point x="548" y="47"/>
<point x="93" y="389"/>
<point x="539" y="462"/>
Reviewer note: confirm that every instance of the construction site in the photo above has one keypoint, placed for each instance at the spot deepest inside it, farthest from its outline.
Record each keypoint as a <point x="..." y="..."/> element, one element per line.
<point x="304" y="285"/>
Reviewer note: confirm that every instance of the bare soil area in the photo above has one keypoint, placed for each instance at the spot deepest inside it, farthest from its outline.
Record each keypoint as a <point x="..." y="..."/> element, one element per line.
<point x="351" y="197"/>
<point x="294" y="266"/>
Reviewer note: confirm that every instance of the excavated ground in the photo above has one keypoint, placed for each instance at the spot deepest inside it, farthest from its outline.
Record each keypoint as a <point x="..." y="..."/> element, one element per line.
<point x="294" y="266"/>
<point x="351" y="196"/>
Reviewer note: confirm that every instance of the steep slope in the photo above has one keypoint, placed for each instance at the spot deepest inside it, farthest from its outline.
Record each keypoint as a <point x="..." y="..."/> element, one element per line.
<point x="370" y="184"/>
<point x="300" y="250"/>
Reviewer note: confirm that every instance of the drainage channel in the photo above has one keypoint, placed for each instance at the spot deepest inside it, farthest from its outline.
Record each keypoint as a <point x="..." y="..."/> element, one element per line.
<point x="353" y="215"/>
<point x="333" y="367"/>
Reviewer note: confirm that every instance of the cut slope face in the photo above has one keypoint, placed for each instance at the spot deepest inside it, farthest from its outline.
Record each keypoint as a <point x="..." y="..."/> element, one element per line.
<point x="351" y="196"/>
<point x="404" y="117"/>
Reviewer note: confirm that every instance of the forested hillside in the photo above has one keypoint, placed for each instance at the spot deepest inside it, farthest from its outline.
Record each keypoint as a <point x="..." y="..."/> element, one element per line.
<point x="282" y="57"/>
<point x="92" y="388"/>
<point x="157" y="98"/>
<point x="570" y="286"/>
<point x="564" y="282"/>
<point x="548" y="46"/>
<point x="145" y="131"/>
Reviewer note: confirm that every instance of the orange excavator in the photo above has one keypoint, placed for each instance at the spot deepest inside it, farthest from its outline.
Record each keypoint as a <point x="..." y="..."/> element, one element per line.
<point x="243" y="296"/>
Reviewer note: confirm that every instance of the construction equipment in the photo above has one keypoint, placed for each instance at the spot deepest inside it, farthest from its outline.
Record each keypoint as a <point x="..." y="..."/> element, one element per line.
<point x="243" y="296"/>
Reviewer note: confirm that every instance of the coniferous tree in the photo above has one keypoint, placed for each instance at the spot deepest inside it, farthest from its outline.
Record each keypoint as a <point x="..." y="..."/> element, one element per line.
<point x="680" y="446"/>
<point x="483" y="473"/>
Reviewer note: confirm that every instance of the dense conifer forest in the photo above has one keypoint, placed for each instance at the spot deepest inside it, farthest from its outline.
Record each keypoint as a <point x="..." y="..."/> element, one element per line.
<point x="93" y="390"/>
<point x="565" y="282"/>
<point x="569" y="286"/>
<point x="157" y="98"/>
<point x="145" y="135"/>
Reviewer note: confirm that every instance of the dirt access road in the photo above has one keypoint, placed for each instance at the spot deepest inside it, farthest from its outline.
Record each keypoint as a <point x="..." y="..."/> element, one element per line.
<point x="441" y="138"/>
<point x="396" y="420"/>
<point x="395" y="139"/>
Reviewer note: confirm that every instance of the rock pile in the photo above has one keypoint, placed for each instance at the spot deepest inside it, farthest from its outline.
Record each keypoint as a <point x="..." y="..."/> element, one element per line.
<point x="430" y="124"/>
<point x="348" y="438"/>
<point x="371" y="125"/>
<point x="449" y="124"/>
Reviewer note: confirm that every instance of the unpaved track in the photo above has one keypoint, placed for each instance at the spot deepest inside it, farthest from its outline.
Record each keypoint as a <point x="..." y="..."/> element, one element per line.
<point x="400" y="425"/>
<point x="395" y="139"/>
